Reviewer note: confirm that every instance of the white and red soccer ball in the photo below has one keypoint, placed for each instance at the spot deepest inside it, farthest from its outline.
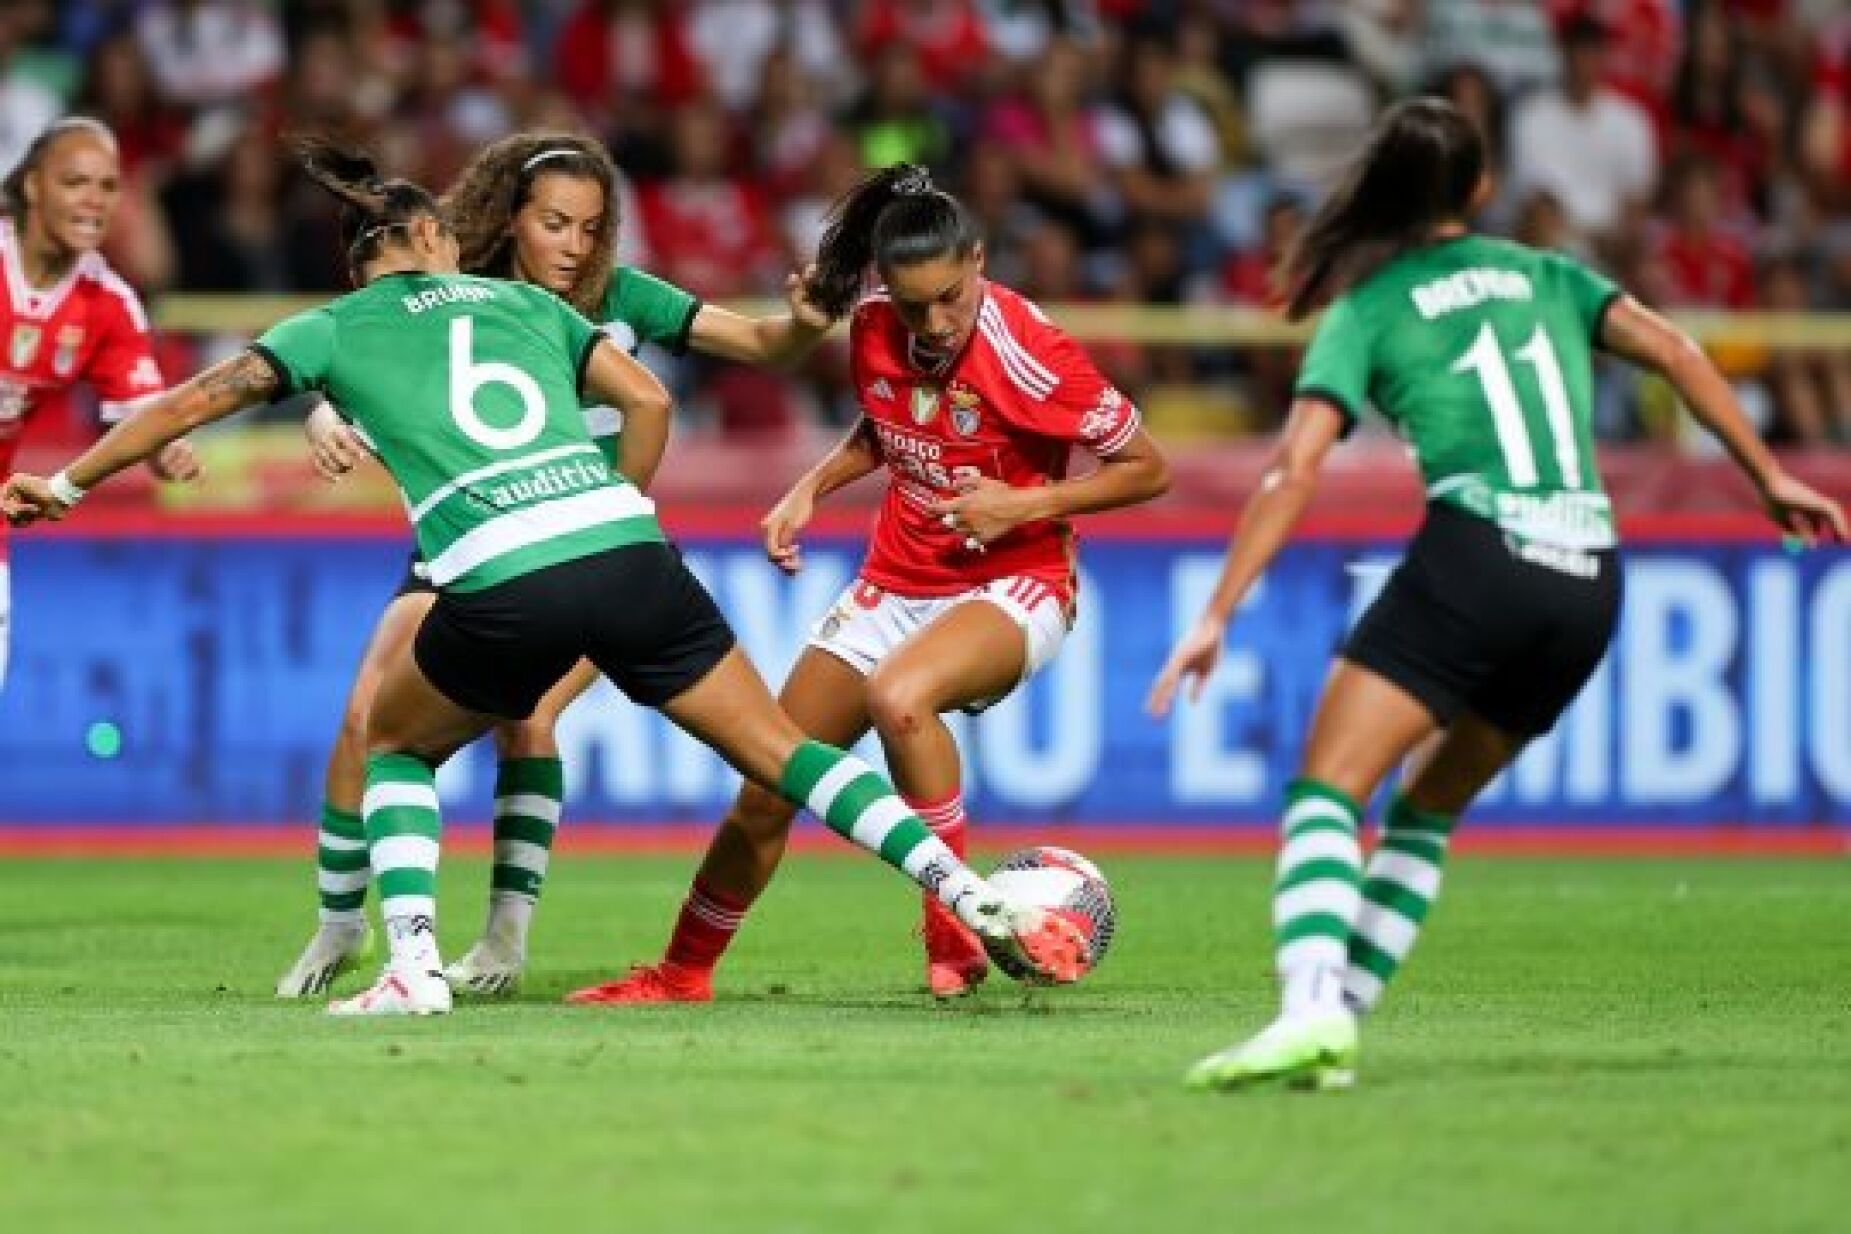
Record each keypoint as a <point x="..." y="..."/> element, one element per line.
<point x="1066" y="884"/>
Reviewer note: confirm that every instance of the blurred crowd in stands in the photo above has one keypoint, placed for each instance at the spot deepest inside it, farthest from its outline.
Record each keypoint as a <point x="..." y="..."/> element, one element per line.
<point x="1117" y="151"/>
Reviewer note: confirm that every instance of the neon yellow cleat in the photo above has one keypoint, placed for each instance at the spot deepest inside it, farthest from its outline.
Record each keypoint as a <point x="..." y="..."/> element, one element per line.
<point x="1314" y="1051"/>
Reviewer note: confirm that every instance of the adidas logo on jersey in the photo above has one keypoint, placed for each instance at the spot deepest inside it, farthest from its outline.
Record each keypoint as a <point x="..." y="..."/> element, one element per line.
<point x="881" y="390"/>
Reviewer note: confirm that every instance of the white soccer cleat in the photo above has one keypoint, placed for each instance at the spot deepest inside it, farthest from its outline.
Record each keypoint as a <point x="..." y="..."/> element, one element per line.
<point x="489" y="968"/>
<point x="335" y="948"/>
<point x="1315" y="1050"/>
<point x="398" y="992"/>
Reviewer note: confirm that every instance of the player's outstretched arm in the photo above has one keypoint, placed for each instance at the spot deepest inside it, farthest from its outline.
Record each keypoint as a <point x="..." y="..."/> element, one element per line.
<point x="613" y="376"/>
<point x="1266" y="522"/>
<point x="854" y="456"/>
<point x="244" y="380"/>
<point x="1636" y="333"/>
<point x="780" y="341"/>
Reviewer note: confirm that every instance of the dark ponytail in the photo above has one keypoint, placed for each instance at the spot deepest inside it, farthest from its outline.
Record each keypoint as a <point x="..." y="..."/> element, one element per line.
<point x="894" y="217"/>
<point x="1419" y="170"/>
<point x="374" y="206"/>
<point x="13" y="188"/>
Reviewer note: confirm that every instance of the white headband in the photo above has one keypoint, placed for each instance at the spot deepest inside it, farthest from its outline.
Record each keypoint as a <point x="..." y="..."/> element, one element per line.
<point x="557" y="152"/>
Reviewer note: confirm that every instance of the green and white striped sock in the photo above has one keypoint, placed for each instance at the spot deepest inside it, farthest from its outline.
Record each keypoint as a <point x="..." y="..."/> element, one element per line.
<point x="1315" y="898"/>
<point x="528" y="794"/>
<point x="402" y="829"/>
<point x="857" y="803"/>
<point x="1399" y="886"/>
<point x="341" y="867"/>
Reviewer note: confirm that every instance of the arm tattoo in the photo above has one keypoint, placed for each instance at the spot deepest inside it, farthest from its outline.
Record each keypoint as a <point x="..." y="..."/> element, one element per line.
<point x="239" y="382"/>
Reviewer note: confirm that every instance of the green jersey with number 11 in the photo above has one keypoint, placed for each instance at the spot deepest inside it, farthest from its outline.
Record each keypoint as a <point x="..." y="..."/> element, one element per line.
<point x="1480" y="352"/>
<point x="468" y="389"/>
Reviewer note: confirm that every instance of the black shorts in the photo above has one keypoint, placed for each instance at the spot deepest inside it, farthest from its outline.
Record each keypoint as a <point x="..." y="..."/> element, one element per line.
<point x="636" y="612"/>
<point x="1474" y="620"/>
<point x="416" y="580"/>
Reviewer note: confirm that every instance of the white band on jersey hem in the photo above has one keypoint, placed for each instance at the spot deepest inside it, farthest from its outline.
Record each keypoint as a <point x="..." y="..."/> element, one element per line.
<point x="519" y="529"/>
<point x="437" y="495"/>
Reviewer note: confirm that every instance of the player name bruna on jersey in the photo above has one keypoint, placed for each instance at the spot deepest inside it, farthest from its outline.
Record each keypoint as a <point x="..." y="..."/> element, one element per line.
<point x="448" y="293"/>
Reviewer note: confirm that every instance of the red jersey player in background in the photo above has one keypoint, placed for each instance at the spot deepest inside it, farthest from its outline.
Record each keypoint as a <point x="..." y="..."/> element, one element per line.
<point x="972" y="400"/>
<point x="68" y="318"/>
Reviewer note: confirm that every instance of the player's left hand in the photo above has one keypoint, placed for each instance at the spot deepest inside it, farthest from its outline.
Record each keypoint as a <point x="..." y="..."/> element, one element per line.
<point x="27" y="499"/>
<point x="176" y="463"/>
<point x="985" y="511"/>
<point x="1803" y="511"/>
<point x="803" y="309"/>
<point x="1192" y="664"/>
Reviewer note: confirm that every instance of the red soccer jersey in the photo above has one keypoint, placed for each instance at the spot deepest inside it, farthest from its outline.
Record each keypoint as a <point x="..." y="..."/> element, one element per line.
<point x="89" y="328"/>
<point x="1009" y="406"/>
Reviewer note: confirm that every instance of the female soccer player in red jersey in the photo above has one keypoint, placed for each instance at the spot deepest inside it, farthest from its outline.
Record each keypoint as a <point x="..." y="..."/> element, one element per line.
<point x="972" y="401"/>
<point x="539" y="207"/>
<point x="67" y="317"/>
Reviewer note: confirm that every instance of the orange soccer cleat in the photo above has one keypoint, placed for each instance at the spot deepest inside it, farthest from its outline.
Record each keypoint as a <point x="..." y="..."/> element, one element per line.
<point x="650" y="983"/>
<point x="955" y="959"/>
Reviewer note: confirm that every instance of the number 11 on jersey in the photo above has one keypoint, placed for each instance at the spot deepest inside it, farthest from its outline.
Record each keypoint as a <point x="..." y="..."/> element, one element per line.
<point x="1485" y="357"/>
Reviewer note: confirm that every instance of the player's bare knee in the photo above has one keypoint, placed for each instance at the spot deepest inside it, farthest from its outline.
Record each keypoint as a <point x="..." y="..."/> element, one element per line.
<point x="897" y="704"/>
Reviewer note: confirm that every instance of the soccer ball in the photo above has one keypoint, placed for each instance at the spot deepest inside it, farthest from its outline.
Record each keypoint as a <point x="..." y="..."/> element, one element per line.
<point x="1060" y="881"/>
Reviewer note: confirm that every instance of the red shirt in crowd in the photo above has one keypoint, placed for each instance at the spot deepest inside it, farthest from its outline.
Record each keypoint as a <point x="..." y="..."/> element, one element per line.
<point x="1711" y="269"/>
<point x="712" y="234"/>
<point x="603" y="57"/>
<point x="949" y="36"/>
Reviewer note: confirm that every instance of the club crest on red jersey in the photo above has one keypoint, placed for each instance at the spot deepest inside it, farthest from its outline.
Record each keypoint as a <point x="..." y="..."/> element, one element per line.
<point x="23" y="348"/>
<point x="64" y="360"/>
<point x="966" y="410"/>
<point x="925" y="404"/>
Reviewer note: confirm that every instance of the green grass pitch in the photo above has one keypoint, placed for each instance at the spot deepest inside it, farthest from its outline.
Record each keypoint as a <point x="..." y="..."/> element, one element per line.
<point x="1578" y="1045"/>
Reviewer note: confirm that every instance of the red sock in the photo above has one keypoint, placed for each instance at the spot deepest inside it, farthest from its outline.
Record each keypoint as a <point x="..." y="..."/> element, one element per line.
<point x="707" y="923"/>
<point x="946" y="819"/>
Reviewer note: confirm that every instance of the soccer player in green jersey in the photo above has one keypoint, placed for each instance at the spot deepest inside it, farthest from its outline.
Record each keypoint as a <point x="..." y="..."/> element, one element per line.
<point x="540" y="207"/>
<point x="1480" y="352"/>
<point x="469" y="390"/>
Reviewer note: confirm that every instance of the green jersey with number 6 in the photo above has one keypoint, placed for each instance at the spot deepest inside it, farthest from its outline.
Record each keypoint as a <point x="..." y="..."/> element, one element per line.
<point x="1480" y="353"/>
<point x="468" y="389"/>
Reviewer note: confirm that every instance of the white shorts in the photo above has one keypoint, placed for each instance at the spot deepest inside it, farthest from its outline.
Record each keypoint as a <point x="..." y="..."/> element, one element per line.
<point x="866" y="624"/>
<point x="6" y="617"/>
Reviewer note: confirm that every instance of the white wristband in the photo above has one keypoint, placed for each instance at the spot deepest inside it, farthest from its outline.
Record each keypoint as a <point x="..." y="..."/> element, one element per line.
<point x="68" y="494"/>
